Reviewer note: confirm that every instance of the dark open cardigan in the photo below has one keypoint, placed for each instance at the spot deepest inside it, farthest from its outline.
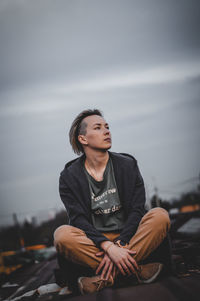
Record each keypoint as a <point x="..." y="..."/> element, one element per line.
<point x="75" y="194"/>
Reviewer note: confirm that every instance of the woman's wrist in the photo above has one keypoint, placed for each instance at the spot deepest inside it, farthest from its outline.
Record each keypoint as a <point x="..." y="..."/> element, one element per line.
<point x="108" y="247"/>
<point x="105" y="245"/>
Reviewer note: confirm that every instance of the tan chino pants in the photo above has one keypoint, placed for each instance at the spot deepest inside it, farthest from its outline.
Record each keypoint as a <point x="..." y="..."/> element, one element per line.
<point x="73" y="243"/>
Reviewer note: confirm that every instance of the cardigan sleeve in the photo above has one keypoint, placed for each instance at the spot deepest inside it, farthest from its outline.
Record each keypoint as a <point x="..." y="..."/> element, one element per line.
<point x="78" y="216"/>
<point x="136" y="208"/>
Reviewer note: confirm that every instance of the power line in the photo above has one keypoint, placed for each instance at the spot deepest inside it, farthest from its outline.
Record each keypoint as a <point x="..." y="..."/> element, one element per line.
<point x="186" y="181"/>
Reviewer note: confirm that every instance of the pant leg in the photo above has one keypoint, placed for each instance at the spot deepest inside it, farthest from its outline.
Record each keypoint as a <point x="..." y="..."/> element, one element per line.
<point x="73" y="243"/>
<point x="151" y="232"/>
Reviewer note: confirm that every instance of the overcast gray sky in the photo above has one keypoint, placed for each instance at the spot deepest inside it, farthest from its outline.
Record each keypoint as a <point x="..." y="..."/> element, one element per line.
<point x="137" y="61"/>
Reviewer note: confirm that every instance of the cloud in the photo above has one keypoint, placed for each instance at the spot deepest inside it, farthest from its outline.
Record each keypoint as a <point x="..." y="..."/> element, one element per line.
<point x="75" y="40"/>
<point x="52" y="97"/>
<point x="153" y="76"/>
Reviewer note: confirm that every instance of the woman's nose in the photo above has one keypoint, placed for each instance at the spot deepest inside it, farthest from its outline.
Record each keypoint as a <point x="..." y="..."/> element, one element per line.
<point x="107" y="131"/>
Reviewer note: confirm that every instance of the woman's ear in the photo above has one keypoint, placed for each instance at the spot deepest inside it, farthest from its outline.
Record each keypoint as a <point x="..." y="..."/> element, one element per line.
<point x="82" y="139"/>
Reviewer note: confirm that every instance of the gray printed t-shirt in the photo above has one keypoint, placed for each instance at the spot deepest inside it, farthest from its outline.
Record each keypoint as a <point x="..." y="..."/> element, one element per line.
<point x="107" y="211"/>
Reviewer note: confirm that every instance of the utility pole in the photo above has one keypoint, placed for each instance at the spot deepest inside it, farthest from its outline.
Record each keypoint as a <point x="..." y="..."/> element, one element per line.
<point x="21" y="239"/>
<point x="156" y="197"/>
<point x="198" y="186"/>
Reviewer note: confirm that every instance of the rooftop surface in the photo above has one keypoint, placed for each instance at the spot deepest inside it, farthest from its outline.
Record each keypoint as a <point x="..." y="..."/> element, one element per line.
<point x="35" y="280"/>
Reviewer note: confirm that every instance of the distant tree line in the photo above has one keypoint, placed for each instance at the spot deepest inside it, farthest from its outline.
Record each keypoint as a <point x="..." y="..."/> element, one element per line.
<point x="189" y="198"/>
<point x="10" y="236"/>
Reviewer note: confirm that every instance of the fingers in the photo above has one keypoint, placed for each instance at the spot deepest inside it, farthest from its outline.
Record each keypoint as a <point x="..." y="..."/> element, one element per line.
<point x="105" y="270"/>
<point x="123" y="259"/>
<point x="132" y="259"/>
<point x="121" y="269"/>
<point x="113" y="271"/>
<point x="126" y="268"/>
<point x="131" y="252"/>
<point x="109" y="271"/>
<point x="134" y="263"/>
<point x="131" y="267"/>
<point x="100" y="266"/>
<point x="106" y="265"/>
<point x="101" y="253"/>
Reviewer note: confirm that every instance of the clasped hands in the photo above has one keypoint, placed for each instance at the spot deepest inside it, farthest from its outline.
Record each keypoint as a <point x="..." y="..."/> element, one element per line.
<point x="116" y="259"/>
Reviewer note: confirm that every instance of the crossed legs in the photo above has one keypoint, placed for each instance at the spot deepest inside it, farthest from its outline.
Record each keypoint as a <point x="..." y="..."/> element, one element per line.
<point x="78" y="248"/>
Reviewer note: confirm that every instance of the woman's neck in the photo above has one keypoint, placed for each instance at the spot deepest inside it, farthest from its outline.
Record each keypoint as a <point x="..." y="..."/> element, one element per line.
<point x="96" y="164"/>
